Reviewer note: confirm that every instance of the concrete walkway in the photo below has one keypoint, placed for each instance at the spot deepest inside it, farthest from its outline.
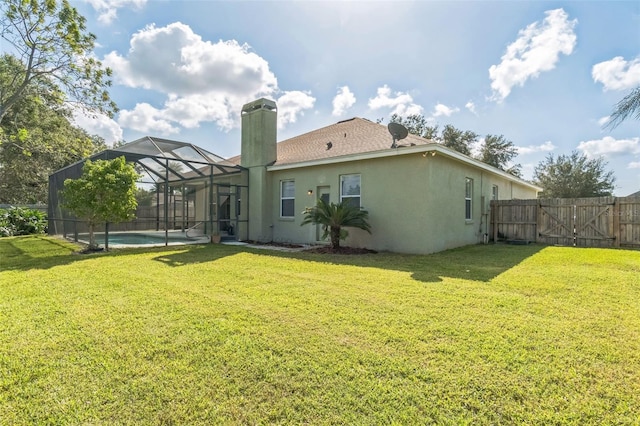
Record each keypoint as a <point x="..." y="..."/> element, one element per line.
<point x="268" y="246"/>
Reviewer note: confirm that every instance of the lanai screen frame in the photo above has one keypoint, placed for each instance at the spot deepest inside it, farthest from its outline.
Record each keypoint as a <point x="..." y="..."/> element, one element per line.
<point x="158" y="158"/>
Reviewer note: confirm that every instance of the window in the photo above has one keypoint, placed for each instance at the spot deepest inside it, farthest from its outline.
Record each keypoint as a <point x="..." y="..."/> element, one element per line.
<point x="350" y="189"/>
<point x="468" y="195"/>
<point x="494" y="192"/>
<point x="287" y="198"/>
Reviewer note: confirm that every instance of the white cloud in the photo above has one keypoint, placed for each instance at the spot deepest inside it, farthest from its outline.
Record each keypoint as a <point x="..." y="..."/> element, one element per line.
<point x="609" y="146"/>
<point x="634" y="165"/>
<point x="175" y="60"/>
<point x="545" y="147"/>
<point x="443" y="110"/>
<point x="100" y="125"/>
<point x="147" y="119"/>
<point x="617" y="74"/>
<point x="603" y="120"/>
<point x="292" y="104"/>
<point x="203" y="81"/>
<point x="108" y="9"/>
<point x="402" y="103"/>
<point x="471" y="107"/>
<point x="536" y="50"/>
<point x="476" y="147"/>
<point x="343" y="101"/>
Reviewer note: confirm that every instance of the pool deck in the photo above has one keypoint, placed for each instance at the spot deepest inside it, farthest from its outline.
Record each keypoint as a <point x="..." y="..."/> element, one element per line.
<point x="174" y="234"/>
<point x="204" y="239"/>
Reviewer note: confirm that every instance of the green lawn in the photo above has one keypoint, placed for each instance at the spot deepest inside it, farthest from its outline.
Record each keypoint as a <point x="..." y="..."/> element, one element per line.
<point x="226" y="335"/>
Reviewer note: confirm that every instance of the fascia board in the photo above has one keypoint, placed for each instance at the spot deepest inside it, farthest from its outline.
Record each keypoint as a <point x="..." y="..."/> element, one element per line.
<point x="417" y="149"/>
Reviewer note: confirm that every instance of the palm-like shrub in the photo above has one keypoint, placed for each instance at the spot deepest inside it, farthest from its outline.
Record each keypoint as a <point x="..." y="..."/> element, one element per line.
<point x="334" y="218"/>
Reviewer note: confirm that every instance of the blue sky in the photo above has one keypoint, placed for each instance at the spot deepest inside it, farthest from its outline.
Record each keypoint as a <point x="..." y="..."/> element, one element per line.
<point x="546" y="75"/>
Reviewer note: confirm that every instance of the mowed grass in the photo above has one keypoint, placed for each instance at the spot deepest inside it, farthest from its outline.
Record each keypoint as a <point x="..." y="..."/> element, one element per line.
<point x="225" y="335"/>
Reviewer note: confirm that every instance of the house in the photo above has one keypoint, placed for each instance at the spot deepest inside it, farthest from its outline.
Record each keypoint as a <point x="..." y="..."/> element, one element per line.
<point x="422" y="197"/>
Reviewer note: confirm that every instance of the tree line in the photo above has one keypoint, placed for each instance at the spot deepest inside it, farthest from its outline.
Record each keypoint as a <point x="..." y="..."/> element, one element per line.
<point x="494" y="150"/>
<point x="47" y="72"/>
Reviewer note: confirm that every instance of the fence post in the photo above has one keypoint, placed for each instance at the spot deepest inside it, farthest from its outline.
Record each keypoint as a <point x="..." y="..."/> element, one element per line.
<point x="494" y="218"/>
<point x="538" y="219"/>
<point x="616" y="222"/>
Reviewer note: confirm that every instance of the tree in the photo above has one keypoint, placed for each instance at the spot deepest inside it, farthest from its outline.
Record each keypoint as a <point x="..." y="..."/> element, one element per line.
<point x="498" y="152"/>
<point x="145" y="197"/>
<point x="495" y="150"/>
<point x="417" y="125"/>
<point x="334" y="218"/>
<point x="450" y="137"/>
<point x="457" y="139"/>
<point x="36" y="138"/>
<point x="106" y="192"/>
<point x="628" y="106"/>
<point x="51" y="41"/>
<point x="573" y="176"/>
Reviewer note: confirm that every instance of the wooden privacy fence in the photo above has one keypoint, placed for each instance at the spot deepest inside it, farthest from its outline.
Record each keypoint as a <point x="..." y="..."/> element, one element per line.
<point x="580" y="222"/>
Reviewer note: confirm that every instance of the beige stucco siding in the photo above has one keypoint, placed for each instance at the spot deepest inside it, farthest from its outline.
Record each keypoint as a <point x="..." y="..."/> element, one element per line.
<point x="416" y="204"/>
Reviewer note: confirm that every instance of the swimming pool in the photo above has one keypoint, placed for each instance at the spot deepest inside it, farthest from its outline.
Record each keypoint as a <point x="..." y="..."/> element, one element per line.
<point x="143" y="238"/>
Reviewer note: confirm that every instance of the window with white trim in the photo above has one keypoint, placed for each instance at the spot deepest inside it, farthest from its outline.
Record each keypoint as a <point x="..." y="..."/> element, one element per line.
<point x="468" y="197"/>
<point x="494" y="192"/>
<point x="350" y="189"/>
<point x="287" y="198"/>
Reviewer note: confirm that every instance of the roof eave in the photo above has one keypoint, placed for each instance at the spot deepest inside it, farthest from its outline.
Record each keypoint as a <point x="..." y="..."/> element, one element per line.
<point x="417" y="149"/>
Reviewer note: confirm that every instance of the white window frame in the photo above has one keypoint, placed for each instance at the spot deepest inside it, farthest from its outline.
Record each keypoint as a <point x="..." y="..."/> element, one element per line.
<point x="351" y="196"/>
<point x="284" y="198"/>
<point x="494" y="192"/>
<point x="468" y="199"/>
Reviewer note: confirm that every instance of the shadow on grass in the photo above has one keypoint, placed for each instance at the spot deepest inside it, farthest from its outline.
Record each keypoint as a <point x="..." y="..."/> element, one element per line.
<point x="34" y="252"/>
<point x="192" y="254"/>
<point x="479" y="262"/>
<point x="474" y="262"/>
<point x="43" y="252"/>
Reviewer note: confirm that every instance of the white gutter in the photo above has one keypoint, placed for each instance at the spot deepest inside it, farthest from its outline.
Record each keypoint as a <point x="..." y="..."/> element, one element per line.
<point x="406" y="150"/>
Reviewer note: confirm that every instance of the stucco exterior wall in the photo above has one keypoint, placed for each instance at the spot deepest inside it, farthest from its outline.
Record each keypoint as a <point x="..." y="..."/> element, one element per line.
<point x="416" y="204"/>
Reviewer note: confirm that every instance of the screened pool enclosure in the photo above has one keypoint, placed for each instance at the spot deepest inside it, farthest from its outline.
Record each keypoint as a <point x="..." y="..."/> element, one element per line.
<point x="184" y="190"/>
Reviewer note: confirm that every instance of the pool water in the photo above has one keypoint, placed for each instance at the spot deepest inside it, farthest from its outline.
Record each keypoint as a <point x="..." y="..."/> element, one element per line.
<point x="143" y="239"/>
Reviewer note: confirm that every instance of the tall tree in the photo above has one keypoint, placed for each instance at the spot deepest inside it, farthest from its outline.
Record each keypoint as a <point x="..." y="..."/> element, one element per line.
<point x="495" y="150"/>
<point x="498" y="152"/>
<point x="334" y="218"/>
<point x="36" y="138"/>
<point x="573" y="176"/>
<point x="458" y="139"/>
<point x="106" y="192"/>
<point x="628" y="106"/>
<point x="50" y="39"/>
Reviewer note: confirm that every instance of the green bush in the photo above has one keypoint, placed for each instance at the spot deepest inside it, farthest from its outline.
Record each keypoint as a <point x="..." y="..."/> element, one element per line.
<point x="22" y="221"/>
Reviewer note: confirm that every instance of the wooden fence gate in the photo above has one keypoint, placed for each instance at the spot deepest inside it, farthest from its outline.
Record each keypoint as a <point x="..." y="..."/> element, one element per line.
<point x="580" y="222"/>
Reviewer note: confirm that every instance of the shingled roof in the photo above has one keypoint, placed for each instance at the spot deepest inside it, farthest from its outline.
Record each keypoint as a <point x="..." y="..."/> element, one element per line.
<point x="362" y="138"/>
<point x="353" y="136"/>
<point x="347" y="137"/>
